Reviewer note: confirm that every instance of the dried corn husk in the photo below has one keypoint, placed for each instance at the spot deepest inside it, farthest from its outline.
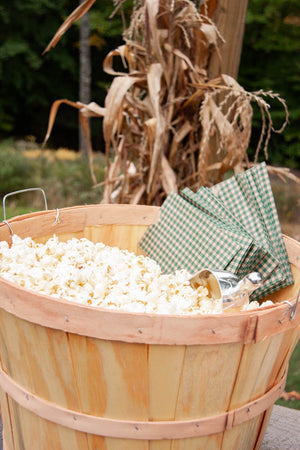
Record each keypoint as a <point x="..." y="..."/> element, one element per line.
<point x="166" y="125"/>
<point x="76" y="15"/>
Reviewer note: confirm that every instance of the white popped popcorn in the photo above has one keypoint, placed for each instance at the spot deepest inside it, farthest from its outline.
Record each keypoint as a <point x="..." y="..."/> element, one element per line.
<point x="98" y="275"/>
<point x="255" y="305"/>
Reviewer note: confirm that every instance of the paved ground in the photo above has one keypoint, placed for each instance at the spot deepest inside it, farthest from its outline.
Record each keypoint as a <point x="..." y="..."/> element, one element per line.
<point x="283" y="432"/>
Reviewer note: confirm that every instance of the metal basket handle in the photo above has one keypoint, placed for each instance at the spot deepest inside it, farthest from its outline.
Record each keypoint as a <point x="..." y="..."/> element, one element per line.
<point x="19" y="192"/>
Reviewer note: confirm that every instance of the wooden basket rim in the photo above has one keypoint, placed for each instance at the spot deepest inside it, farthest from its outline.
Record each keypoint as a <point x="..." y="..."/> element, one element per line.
<point x="247" y="326"/>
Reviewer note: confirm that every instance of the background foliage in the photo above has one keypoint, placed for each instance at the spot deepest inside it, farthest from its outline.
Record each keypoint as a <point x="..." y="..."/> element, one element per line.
<point x="64" y="175"/>
<point x="270" y="61"/>
<point x="30" y="81"/>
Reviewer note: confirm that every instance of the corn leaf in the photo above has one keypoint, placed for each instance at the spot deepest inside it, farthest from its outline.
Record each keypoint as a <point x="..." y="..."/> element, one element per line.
<point x="113" y="104"/>
<point x="73" y="17"/>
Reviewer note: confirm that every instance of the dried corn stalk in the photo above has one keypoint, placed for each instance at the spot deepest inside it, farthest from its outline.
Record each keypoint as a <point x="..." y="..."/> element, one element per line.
<point x="166" y="125"/>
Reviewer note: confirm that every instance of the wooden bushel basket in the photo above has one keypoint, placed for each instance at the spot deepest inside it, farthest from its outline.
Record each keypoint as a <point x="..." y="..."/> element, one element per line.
<point x="78" y="377"/>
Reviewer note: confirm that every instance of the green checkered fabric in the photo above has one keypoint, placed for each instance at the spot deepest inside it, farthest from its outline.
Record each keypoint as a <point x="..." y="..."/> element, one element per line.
<point x="183" y="239"/>
<point x="232" y="226"/>
<point x="250" y="197"/>
<point x="208" y="201"/>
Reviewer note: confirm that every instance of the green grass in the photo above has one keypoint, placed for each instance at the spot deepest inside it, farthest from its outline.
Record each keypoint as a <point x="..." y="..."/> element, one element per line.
<point x="63" y="175"/>
<point x="12" y="211"/>
<point x="293" y="379"/>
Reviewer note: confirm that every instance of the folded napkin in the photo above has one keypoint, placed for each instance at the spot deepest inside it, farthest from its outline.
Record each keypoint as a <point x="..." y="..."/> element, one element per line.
<point x="232" y="226"/>
<point x="250" y="197"/>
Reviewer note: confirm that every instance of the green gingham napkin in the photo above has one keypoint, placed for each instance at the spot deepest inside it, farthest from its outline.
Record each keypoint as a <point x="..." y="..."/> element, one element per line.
<point x="232" y="226"/>
<point x="250" y="197"/>
<point x="183" y="239"/>
<point x="210" y="204"/>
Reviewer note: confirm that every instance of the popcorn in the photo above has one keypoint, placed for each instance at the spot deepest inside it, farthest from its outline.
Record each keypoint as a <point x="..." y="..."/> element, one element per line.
<point x="98" y="275"/>
<point x="255" y="305"/>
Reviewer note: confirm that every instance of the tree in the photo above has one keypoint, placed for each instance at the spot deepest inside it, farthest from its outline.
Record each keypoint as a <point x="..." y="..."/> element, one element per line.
<point x="30" y="81"/>
<point x="270" y="61"/>
<point x="84" y="69"/>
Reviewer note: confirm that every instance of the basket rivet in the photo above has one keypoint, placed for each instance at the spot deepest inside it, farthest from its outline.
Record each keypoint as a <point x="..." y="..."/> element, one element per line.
<point x="280" y="321"/>
<point x="136" y="427"/>
<point x="66" y="318"/>
<point x="248" y="410"/>
<point x="140" y="331"/>
<point x="74" y="418"/>
<point x="10" y="300"/>
<point x="197" y="424"/>
<point x="213" y="331"/>
<point x="27" y="397"/>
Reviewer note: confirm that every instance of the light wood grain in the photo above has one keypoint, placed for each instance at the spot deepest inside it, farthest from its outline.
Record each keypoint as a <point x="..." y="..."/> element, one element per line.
<point x="126" y="366"/>
<point x="165" y="365"/>
<point x="283" y="432"/>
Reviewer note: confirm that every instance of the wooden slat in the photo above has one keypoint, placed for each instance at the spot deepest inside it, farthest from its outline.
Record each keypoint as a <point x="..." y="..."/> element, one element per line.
<point x="75" y="219"/>
<point x="64" y="237"/>
<point x="125" y="237"/>
<point x="262" y="364"/>
<point x="280" y="365"/>
<point x="243" y="436"/>
<point x="264" y="424"/>
<point x="38" y="359"/>
<point x="165" y="370"/>
<point x="7" y="420"/>
<point x="112" y="381"/>
<point x="32" y="432"/>
<point x="111" y="378"/>
<point x="211" y="443"/>
<point x="251" y="361"/>
<point x="208" y="377"/>
<point x="124" y="444"/>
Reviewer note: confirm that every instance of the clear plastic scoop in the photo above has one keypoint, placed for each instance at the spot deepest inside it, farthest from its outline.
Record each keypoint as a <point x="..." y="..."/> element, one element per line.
<point x="234" y="292"/>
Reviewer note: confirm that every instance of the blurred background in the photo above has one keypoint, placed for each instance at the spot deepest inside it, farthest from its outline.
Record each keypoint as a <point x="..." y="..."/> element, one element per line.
<point x="31" y="81"/>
